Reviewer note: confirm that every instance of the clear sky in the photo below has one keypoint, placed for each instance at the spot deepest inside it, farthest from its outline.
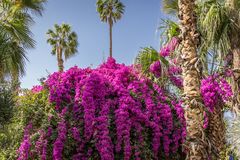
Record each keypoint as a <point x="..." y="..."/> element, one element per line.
<point x="136" y="29"/>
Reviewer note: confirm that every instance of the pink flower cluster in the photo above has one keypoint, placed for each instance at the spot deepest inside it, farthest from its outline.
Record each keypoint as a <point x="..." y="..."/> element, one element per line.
<point x="174" y="74"/>
<point x="110" y="112"/>
<point x="215" y="90"/>
<point x="156" y="69"/>
<point x="169" y="47"/>
<point x="24" y="151"/>
<point x="41" y="145"/>
<point x="37" y="89"/>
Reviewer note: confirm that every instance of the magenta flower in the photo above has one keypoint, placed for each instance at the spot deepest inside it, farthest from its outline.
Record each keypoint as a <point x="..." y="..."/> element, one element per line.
<point x="24" y="149"/>
<point x="169" y="47"/>
<point x="215" y="91"/>
<point x="156" y="68"/>
<point x="37" y="89"/>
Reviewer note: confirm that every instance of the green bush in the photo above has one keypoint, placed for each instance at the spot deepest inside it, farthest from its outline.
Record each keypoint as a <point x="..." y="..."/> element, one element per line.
<point x="7" y="103"/>
<point x="28" y="108"/>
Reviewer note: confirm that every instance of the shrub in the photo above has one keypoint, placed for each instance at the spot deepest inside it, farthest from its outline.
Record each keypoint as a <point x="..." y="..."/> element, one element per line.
<point x="105" y="113"/>
<point x="29" y="107"/>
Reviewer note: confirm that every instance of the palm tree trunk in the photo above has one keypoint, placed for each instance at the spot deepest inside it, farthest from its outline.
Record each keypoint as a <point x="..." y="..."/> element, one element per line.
<point x="236" y="77"/>
<point x="216" y="132"/>
<point x="60" y="60"/>
<point x="195" y="146"/>
<point x="110" y="38"/>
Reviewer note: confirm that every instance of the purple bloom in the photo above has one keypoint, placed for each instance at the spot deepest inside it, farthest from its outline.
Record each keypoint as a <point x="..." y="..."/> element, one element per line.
<point x="156" y="68"/>
<point x="37" y="89"/>
<point x="169" y="47"/>
<point x="215" y="91"/>
<point x="59" y="143"/>
<point x="24" y="149"/>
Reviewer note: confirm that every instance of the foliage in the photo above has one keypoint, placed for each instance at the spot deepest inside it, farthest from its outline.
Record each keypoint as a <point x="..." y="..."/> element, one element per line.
<point x="146" y="57"/>
<point x="170" y="6"/>
<point x="110" y="10"/>
<point x="109" y="113"/>
<point x="62" y="37"/>
<point x="168" y="30"/>
<point x="15" y="35"/>
<point x="30" y="108"/>
<point x="7" y="103"/>
<point x="161" y="67"/>
<point x="233" y="133"/>
<point x="63" y="42"/>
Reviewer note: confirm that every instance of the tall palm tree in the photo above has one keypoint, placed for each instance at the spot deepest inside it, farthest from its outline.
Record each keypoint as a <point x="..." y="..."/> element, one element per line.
<point x="218" y="22"/>
<point x="64" y="41"/>
<point x="194" y="112"/>
<point x="110" y="11"/>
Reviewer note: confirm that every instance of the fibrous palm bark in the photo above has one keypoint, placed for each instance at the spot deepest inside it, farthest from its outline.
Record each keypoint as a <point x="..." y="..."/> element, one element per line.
<point x="235" y="49"/>
<point x="216" y="132"/>
<point x="110" y="36"/>
<point x="233" y="10"/>
<point x="196" y="146"/>
<point x="60" y="60"/>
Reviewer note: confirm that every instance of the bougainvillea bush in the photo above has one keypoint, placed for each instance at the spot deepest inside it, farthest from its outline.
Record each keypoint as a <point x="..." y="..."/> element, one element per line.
<point x="106" y="113"/>
<point x="215" y="91"/>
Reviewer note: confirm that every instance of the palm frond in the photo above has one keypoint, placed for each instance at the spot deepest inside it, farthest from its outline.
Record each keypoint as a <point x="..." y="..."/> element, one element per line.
<point x="12" y="57"/>
<point x="15" y="34"/>
<point x="61" y="37"/>
<point x="170" y="6"/>
<point x="145" y="58"/>
<point x="34" y="6"/>
<point x="214" y="26"/>
<point x="168" y="29"/>
<point x="110" y="10"/>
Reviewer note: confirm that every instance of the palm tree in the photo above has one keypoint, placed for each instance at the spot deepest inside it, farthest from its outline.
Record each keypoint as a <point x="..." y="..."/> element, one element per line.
<point x="15" y="34"/>
<point x="218" y="23"/>
<point x="196" y="145"/>
<point x="110" y="11"/>
<point x="63" y="41"/>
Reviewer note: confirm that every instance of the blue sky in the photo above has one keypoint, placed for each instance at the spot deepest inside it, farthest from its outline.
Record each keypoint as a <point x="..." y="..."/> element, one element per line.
<point x="136" y="29"/>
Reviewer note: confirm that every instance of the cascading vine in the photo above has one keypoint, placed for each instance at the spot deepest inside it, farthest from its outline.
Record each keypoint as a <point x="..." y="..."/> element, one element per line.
<point x="215" y="90"/>
<point x="110" y="112"/>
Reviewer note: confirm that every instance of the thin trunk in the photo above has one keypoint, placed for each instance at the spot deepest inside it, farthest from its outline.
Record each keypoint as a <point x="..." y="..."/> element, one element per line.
<point x="15" y="80"/>
<point x="60" y="60"/>
<point x="110" y="37"/>
<point x="236" y="77"/>
<point x="216" y="132"/>
<point x="196" y="143"/>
